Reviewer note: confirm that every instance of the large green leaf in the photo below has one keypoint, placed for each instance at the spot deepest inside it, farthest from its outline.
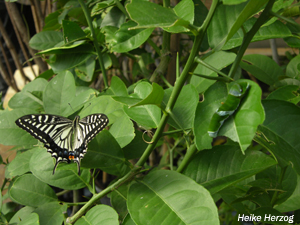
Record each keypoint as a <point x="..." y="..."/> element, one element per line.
<point x="58" y="93"/>
<point x="103" y="104"/>
<point x="123" y="130"/>
<point x="46" y="39"/>
<point x="72" y="31"/>
<point x="228" y="19"/>
<point x="126" y="39"/>
<point x="21" y="214"/>
<point x="279" y="132"/>
<point x="167" y="197"/>
<point x="149" y="15"/>
<point x="10" y="133"/>
<point x="65" y="177"/>
<point x="292" y="69"/>
<point x="183" y="113"/>
<point x="118" y="200"/>
<point x="225" y="165"/>
<point x="51" y="213"/>
<point x="105" y="153"/>
<point x="142" y="113"/>
<point x="286" y="93"/>
<point x="213" y="98"/>
<point x="100" y="214"/>
<point x="136" y="148"/>
<point x="262" y="67"/>
<point x="117" y="87"/>
<point x="26" y="98"/>
<point x="32" y="219"/>
<point x="275" y="30"/>
<point x="19" y="165"/>
<point x="218" y="60"/>
<point x="241" y="127"/>
<point x="30" y="191"/>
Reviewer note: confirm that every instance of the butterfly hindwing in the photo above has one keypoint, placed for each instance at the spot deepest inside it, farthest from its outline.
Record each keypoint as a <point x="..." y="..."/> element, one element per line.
<point x="57" y="133"/>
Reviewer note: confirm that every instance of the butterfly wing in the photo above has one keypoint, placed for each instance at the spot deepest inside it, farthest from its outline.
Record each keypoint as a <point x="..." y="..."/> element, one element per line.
<point x="54" y="131"/>
<point x="87" y="128"/>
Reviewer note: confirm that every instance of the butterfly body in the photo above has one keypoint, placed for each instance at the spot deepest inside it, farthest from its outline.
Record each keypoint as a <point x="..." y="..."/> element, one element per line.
<point x="65" y="139"/>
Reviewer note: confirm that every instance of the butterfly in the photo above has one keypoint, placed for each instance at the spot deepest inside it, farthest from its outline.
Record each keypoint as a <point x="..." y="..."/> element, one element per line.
<point x="65" y="139"/>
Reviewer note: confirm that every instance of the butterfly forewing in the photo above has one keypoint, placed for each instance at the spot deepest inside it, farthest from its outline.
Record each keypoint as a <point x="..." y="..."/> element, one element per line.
<point x="64" y="139"/>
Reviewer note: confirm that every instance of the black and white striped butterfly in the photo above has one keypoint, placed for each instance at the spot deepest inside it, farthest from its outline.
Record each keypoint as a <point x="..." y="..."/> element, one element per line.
<point x="65" y="139"/>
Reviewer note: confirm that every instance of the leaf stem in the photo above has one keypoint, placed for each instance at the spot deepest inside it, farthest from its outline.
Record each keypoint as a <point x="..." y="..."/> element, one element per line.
<point x="100" y="57"/>
<point x="247" y="39"/>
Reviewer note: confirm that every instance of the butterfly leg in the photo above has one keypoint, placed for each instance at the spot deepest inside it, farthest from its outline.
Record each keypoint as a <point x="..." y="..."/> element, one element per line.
<point x="77" y="160"/>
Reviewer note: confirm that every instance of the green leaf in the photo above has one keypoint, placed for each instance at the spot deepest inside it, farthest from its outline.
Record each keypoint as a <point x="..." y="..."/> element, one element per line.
<point x="10" y="133"/>
<point x="72" y="31"/>
<point x="100" y="214"/>
<point x="275" y="30"/>
<point x="21" y="214"/>
<point x="51" y="213"/>
<point x="58" y="93"/>
<point x="183" y="113"/>
<point x="32" y="219"/>
<point x="292" y="69"/>
<point x="19" y="165"/>
<point x="225" y="165"/>
<point x="242" y="130"/>
<point x="105" y="153"/>
<point x="262" y="67"/>
<point x="126" y="39"/>
<point x="85" y="71"/>
<point x="115" y="17"/>
<point x="123" y="130"/>
<point x="118" y="201"/>
<point x="184" y="10"/>
<point x="146" y="115"/>
<point x="143" y="95"/>
<point x="288" y="93"/>
<point x="128" y="221"/>
<point x="169" y="193"/>
<point x="65" y="177"/>
<point x="228" y="19"/>
<point x="136" y="148"/>
<point x="46" y="39"/>
<point x="213" y="97"/>
<point x="277" y="133"/>
<point x="219" y="60"/>
<point x="24" y="100"/>
<point x="30" y="191"/>
<point x="117" y="87"/>
<point x="103" y="104"/>
<point x="69" y="58"/>
<point x="149" y="15"/>
<point x="291" y="204"/>
<point x="51" y="21"/>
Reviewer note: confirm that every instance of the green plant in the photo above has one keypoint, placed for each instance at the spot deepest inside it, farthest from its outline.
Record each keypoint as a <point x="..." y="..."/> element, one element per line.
<point x="255" y="172"/>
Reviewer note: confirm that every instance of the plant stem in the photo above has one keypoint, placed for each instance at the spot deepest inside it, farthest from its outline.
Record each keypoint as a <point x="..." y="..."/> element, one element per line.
<point x="187" y="158"/>
<point x="104" y="192"/>
<point x="247" y="39"/>
<point x="100" y="57"/>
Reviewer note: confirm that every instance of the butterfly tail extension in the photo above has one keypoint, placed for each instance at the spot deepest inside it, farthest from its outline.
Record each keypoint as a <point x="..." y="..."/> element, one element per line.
<point x="77" y="160"/>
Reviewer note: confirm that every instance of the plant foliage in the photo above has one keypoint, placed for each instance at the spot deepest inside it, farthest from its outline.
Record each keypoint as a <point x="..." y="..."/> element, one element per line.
<point x="162" y="164"/>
